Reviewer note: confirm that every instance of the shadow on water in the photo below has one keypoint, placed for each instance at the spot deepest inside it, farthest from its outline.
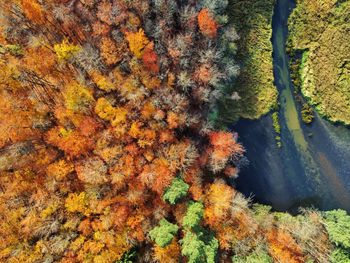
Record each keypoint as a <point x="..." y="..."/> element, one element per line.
<point x="313" y="166"/>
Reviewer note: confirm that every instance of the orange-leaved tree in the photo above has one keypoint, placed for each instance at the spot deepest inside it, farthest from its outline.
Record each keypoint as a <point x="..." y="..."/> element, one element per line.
<point x="207" y="23"/>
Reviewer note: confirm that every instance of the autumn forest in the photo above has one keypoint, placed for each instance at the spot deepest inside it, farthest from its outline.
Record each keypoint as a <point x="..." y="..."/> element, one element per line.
<point x="114" y="137"/>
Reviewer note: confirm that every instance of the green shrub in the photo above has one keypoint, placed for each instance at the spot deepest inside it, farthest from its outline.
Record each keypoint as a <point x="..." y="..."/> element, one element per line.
<point x="256" y="257"/>
<point x="15" y="50"/>
<point x="275" y="122"/>
<point x="307" y="113"/>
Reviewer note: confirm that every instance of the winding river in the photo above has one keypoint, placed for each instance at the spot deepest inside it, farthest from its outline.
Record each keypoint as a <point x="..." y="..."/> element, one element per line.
<point x="313" y="166"/>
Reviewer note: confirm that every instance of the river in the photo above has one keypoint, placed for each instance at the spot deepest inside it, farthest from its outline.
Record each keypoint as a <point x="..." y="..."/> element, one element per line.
<point x="312" y="168"/>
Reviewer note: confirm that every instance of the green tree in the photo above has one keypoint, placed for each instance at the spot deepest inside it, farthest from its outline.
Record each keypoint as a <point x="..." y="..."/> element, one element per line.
<point x="176" y="191"/>
<point x="199" y="247"/>
<point x="193" y="248"/>
<point x="211" y="248"/>
<point x="164" y="233"/>
<point x="338" y="227"/>
<point x="128" y="257"/>
<point x="340" y="255"/>
<point x="193" y="215"/>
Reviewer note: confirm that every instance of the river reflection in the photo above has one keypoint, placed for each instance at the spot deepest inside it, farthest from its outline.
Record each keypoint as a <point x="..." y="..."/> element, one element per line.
<point x="313" y="166"/>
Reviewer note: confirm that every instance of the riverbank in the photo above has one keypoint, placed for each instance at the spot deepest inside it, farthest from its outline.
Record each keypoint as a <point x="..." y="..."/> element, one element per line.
<point x="319" y="30"/>
<point x="258" y="94"/>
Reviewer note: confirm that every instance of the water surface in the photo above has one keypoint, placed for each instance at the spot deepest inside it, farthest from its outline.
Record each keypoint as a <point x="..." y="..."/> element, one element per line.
<point x="313" y="166"/>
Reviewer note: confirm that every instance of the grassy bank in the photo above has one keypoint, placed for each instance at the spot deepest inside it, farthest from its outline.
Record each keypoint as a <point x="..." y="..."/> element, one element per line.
<point x="255" y="83"/>
<point x="320" y="29"/>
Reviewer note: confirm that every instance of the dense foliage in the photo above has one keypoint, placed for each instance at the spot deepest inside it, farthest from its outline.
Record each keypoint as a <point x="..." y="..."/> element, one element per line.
<point x="257" y="92"/>
<point x="175" y="191"/>
<point x="108" y="153"/>
<point x="164" y="233"/>
<point x="338" y="226"/>
<point x="320" y="30"/>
